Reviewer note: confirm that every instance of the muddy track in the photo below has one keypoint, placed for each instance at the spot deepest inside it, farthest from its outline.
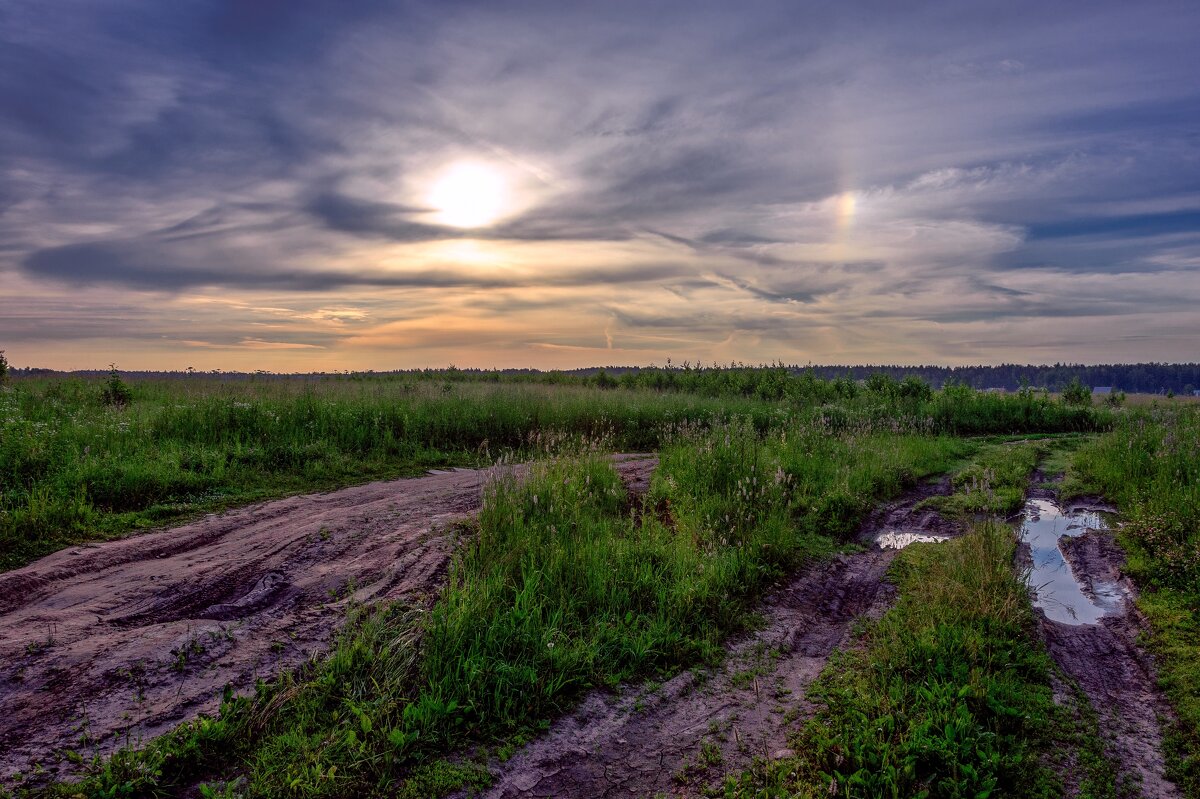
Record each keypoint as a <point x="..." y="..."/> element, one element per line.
<point x="1113" y="672"/>
<point x="666" y="739"/>
<point x="114" y="643"/>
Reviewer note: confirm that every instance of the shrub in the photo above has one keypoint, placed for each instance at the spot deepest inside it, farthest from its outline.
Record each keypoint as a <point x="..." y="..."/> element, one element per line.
<point x="115" y="392"/>
<point x="1077" y="393"/>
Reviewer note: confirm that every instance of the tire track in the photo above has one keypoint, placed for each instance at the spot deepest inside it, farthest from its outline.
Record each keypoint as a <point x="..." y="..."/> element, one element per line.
<point x="649" y="740"/>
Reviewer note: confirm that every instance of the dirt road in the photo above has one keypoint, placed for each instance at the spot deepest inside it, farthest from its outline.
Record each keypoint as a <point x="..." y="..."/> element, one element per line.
<point x="685" y="735"/>
<point x="1114" y="673"/>
<point x="117" y="642"/>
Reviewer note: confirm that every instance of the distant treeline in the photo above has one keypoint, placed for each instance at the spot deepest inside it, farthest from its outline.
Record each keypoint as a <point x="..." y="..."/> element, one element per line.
<point x="1141" y="378"/>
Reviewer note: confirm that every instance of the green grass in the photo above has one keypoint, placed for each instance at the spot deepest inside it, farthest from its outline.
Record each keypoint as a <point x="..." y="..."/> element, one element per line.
<point x="1149" y="465"/>
<point x="563" y="587"/>
<point x="993" y="483"/>
<point x="75" y="468"/>
<point x="80" y="459"/>
<point x="946" y="696"/>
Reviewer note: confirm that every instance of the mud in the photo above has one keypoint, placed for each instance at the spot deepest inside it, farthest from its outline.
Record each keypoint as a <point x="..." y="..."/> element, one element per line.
<point x="111" y="644"/>
<point x="1103" y="658"/>
<point x="683" y="737"/>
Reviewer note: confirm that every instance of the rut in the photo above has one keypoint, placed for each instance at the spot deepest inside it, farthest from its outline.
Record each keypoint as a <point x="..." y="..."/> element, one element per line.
<point x="662" y="739"/>
<point x="111" y="644"/>
<point x="1103" y="658"/>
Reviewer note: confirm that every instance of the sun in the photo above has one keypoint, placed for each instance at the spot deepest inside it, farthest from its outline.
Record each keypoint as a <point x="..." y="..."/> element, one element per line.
<point x="468" y="195"/>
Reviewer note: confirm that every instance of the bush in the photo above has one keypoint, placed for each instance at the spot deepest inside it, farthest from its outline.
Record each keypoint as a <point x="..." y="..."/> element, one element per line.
<point x="1077" y="393"/>
<point x="115" y="392"/>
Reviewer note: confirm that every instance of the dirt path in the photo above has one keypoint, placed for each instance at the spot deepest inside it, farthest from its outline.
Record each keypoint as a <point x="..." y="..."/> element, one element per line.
<point x="686" y="734"/>
<point x="1113" y="672"/>
<point x="114" y="643"/>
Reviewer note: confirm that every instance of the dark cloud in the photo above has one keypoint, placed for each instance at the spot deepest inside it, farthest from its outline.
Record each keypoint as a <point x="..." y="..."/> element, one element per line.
<point x="1119" y="226"/>
<point x="140" y="265"/>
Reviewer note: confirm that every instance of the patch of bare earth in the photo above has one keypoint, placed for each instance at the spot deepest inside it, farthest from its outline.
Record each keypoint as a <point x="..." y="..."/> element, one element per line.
<point x="687" y="734"/>
<point x="1115" y="674"/>
<point x="114" y="643"/>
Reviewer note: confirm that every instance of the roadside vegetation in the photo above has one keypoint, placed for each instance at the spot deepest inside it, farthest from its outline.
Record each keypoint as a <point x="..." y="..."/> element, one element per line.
<point x="93" y="459"/>
<point x="85" y="459"/>
<point x="993" y="484"/>
<point x="1149" y="464"/>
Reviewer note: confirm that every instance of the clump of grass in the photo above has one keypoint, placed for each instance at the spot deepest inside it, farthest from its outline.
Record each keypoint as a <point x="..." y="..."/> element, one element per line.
<point x="993" y="484"/>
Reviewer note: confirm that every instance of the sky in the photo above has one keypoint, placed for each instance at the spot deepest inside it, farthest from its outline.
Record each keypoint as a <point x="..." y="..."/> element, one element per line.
<point x="309" y="186"/>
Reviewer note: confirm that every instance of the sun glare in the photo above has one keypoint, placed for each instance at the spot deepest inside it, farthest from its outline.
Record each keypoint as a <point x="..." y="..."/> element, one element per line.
<point x="468" y="195"/>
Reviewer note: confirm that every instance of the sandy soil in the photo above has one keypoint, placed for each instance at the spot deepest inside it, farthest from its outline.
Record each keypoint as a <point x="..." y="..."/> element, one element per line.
<point x="114" y="643"/>
<point x="645" y="741"/>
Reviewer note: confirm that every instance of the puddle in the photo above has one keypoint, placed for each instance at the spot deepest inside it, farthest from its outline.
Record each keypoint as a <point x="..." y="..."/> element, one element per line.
<point x="895" y="539"/>
<point x="1058" y="593"/>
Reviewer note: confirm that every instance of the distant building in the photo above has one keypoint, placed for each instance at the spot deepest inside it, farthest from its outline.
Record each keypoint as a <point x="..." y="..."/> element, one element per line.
<point x="1102" y="390"/>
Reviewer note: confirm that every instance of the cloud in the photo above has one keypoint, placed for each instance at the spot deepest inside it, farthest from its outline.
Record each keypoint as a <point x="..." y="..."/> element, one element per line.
<point x="808" y="186"/>
<point x="147" y="266"/>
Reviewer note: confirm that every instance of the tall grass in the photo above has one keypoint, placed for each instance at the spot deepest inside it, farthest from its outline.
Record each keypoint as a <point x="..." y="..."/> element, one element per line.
<point x="76" y="464"/>
<point x="993" y="484"/>
<point x="72" y="466"/>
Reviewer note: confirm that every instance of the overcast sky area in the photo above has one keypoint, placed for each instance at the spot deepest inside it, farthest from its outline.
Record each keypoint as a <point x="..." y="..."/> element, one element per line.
<point x="302" y="186"/>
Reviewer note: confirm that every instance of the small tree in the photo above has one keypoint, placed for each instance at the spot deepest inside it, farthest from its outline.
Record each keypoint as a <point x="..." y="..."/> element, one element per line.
<point x="115" y="392"/>
<point x="3" y="368"/>
<point x="883" y="384"/>
<point x="913" y="387"/>
<point x="1077" y="393"/>
<point x="603" y="380"/>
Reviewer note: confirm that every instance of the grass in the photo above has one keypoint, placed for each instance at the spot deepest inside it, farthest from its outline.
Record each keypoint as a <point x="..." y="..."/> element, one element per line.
<point x="73" y="467"/>
<point x="564" y="586"/>
<point x="95" y="458"/>
<point x="1149" y="465"/>
<point x="993" y="483"/>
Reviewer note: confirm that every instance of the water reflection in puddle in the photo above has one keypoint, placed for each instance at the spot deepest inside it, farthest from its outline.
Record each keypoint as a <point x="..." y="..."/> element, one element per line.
<point x="895" y="539"/>
<point x="1058" y="593"/>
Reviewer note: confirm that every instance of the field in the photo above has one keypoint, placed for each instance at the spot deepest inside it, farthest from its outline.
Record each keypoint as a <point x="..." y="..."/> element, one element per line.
<point x="710" y="611"/>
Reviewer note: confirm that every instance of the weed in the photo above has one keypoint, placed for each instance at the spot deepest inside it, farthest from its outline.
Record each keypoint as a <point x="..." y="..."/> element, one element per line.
<point x="710" y="754"/>
<point x="115" y="391"/>
<point x="185" y="652"/>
